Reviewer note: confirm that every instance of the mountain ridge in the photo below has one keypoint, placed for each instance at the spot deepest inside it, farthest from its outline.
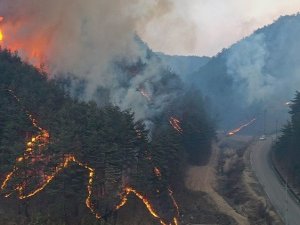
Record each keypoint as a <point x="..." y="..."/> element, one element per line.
<point x="257" y="73"/>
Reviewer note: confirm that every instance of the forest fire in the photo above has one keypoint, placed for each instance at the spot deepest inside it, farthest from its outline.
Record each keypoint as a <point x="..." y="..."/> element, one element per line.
<point x="30" y="48"/>
<point x="1" y="33"/>
<point x="129" y="190"/>
<point x="176" y="124"/>
<point x="145" y="94"/>
<point x="35" y="154"/>
<point x="233" y="132"/>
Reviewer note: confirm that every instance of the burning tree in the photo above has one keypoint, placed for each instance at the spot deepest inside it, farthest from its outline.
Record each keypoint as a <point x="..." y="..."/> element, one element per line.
<point x="38" y="166"/>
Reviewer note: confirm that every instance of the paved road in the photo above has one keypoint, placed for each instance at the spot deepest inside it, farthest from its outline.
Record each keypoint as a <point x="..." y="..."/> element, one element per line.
<point x="272" y="186"/>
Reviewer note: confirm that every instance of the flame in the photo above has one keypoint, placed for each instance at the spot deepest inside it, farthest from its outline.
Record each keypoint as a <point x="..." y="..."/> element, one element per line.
<point x="233" y="132"/>
<point x="176" y="124"/>
<point x="146" y="202"/>
<point x="34" y="153"/>
<point x="31" y="48"/>
<point x="1" y="36"/>
<point x="1" y="32"/>
<point x="145" y="94"/>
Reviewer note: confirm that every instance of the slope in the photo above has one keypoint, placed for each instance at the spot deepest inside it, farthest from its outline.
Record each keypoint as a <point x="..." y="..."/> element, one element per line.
<point x="256" y="74"/>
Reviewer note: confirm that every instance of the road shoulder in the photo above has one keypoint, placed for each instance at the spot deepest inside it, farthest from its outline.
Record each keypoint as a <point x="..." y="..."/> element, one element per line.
<point x="238" y="184"/>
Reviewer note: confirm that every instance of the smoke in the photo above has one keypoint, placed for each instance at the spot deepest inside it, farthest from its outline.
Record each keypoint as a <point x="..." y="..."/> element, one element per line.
<point x="264" y="68"/>
<point x="255" y="77"/>
<point x="95" y="41"/>
<point x="205" y="27"/>
<point x="245" y="64"/>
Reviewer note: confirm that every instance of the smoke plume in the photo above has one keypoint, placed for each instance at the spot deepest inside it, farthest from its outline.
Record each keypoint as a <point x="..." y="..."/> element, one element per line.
<point x="264" y="66"/>
<point x="95" y="41"/>
<point x="246" y="66"/>
<point x="255" y="77"/>
<point x="264" y="69"/>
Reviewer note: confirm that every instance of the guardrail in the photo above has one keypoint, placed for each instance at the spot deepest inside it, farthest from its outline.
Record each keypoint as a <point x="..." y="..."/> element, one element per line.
<point x="281" y="178"/>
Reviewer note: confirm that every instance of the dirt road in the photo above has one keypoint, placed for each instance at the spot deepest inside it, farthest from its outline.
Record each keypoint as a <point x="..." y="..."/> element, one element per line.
<point x="202" y="178"/>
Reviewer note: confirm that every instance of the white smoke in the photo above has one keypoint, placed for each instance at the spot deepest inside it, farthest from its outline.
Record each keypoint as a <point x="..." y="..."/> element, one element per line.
<point x="246" y="64"/>
<point x="265" y="70"/>
<point x="85" y="39"/>
<point x="205" y="27"/>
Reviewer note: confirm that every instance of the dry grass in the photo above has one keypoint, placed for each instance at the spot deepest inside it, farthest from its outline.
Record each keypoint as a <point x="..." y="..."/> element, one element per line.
<point x="238" y="184"/>
<point x="203" y="178"/>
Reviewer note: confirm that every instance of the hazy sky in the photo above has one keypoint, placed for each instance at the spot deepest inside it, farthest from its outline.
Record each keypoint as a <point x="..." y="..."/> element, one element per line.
<point x="204" y="27"/>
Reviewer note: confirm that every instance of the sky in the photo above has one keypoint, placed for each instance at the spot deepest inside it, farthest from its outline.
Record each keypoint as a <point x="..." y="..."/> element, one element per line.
<point x="205" y="27"/>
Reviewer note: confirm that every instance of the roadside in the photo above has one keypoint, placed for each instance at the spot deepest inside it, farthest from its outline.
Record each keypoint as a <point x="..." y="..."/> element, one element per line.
<point x="284" y="203"/>
<point x="204" y="179"/>
<point x="238" y="184"/>
<point x="283" y="177"/>
<point x="231" y="184"/>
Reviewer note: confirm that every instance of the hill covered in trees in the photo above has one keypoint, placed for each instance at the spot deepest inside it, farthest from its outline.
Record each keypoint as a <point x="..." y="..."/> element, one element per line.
<point x="286" y="149"/>
<point x="183" y="65"/>
<point x="67" y="161"/>
<point x="256" y="74"/>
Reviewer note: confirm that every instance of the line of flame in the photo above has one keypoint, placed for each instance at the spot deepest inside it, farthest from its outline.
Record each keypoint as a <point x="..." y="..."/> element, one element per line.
<point x="233" y="132"/>
<point x="129" y="190"/>
<point x="175" y="123"/>
<point x="1" y="32"/>
<point x="145" y="94"/>
<point x="44" y="137"/>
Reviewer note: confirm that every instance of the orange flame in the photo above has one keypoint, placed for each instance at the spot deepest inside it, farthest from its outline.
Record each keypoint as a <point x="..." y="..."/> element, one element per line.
<point x="176" y="124"/>
<point x="1" y="36"/>
<point x="1" y="33"/>
<point x="233" y="132"/>
<point x="38" y="143"/>
<point x="129" y="190"/>
<point x="30" y="48"/>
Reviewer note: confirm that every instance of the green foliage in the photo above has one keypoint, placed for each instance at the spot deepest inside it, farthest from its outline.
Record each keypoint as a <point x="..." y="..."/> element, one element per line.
<point x="103" y="138"/>
<point x="107" y="139"/>
<point x="199" y="129"/>
<point x="287" y="148"/>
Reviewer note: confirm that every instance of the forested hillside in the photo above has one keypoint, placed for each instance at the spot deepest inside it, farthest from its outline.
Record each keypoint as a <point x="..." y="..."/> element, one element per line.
<point x="183" y="65"/>
<point x="256" y="74"/>
<point x="286" y="149"/>
<point x="65" y="161"/>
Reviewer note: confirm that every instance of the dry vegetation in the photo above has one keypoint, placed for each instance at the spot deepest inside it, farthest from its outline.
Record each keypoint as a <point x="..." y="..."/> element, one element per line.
<point x="238" y="184"/>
